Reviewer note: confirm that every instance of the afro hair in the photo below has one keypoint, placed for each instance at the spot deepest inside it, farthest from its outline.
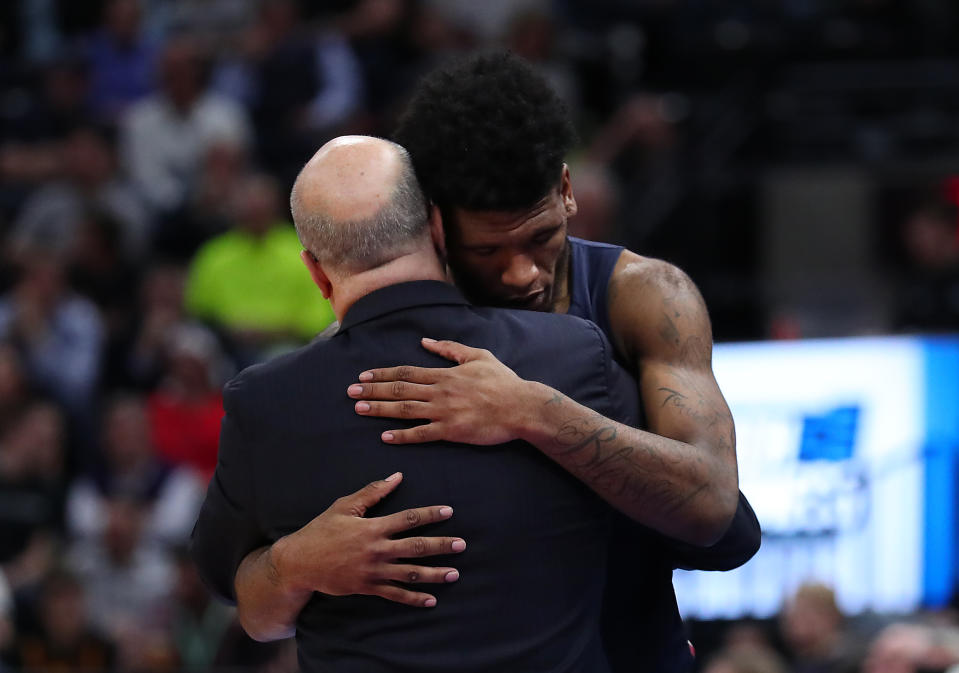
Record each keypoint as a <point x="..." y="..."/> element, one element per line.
<point x="486" y="133"/>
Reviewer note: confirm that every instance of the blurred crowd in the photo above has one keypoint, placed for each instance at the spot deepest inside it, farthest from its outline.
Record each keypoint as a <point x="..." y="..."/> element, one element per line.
<point x="146" y="153"/>
<point x="811" y="635"/>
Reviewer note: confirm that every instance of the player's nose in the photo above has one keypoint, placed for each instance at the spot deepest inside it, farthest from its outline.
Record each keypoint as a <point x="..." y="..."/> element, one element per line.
<point x="521" y="272"/>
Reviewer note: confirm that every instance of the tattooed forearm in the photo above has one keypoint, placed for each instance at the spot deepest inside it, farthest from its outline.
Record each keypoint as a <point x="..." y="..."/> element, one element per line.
<point x="637" y="475"/>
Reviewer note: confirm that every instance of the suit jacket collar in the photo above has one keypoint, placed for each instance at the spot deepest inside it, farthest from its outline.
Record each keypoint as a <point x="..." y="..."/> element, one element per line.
<point x="398" y="297"/>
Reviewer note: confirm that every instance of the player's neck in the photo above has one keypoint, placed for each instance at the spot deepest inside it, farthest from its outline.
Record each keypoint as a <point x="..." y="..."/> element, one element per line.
<point x="561" y="293"/>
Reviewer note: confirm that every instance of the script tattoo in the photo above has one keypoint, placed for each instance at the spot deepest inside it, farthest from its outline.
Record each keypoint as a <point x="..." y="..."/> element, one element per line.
<point x="593" y="449"/>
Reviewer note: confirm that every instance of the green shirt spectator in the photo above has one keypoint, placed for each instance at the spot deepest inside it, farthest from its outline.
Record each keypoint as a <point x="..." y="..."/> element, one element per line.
<point x="245" y="282"/>
<point x="251" y="281"/>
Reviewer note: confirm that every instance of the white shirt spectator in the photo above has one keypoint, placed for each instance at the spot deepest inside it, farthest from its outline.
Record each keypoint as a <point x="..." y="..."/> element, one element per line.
<point x="169" y="519"/>
<point x="161" y="147"/>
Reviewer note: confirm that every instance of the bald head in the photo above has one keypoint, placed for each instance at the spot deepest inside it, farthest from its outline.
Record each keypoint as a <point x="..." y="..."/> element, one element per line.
<point x="357" y="205"/>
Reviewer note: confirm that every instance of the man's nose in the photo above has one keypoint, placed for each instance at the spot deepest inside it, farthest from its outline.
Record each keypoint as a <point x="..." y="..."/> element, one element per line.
<point x="521" y="272"/>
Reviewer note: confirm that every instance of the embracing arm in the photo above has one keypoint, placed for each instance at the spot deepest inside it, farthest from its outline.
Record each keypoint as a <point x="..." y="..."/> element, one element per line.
<point x="654" y="480"/>
<point x="681" y="473"/>
<point x="266" y="607"/>
<point x="660" y="323"/>
<point x="337" y="554"/>
<point x="678" y="478"/>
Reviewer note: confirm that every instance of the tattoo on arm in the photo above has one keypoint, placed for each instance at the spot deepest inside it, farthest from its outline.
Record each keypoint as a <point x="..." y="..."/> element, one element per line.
<point x="557" y="399"/>
<point x="614" y="468"/>
<point x="704" y="415"/>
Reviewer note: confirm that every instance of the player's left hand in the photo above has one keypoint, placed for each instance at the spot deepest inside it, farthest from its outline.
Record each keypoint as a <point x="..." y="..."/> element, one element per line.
<point x="479" y="401"/>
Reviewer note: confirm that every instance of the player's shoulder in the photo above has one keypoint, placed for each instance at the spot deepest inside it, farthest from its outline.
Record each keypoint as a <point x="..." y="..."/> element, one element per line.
<point x="653" y="305"/>
<point x="656" y="276"/>
<point x="641" y="288"/>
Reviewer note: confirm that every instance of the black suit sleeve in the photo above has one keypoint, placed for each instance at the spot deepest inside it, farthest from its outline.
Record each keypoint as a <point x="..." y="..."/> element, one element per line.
<point x="738" y="544"/>
<point x="226" y="529"/>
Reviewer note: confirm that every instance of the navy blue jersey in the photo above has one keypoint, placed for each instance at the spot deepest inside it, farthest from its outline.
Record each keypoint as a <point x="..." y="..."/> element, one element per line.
<point x="591" y="266"/>
<point x="642" y="628"/>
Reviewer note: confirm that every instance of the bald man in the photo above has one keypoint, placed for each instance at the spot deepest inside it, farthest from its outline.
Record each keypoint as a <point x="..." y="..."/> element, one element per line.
<point x="525" y="595"/>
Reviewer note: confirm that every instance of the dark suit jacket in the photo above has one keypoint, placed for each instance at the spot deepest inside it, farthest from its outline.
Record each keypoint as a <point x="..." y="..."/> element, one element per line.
<point x="532" y="575"/>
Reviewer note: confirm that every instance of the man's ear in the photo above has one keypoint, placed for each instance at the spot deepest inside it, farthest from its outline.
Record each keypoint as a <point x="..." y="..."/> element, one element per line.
<point x="566" y="192"/>
<point x="320" y="279"/>
<point x="437" y="232"/>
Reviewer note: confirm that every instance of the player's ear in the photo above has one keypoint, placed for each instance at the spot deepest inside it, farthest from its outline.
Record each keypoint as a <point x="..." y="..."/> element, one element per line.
<point x="320" y="279"/>
<point x="436" y="230"/>
<point x="566" y="192"/>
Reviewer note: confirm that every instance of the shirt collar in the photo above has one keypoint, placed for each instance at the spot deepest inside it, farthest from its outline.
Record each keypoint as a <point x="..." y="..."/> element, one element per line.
<point x="398" y="297"/>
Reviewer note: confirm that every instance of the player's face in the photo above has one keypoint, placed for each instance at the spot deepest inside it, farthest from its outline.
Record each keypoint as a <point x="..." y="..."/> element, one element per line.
<point x="512" y="258"/>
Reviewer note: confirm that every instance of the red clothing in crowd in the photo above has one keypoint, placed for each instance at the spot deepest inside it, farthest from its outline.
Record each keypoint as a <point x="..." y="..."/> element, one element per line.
<point x="187" y="432"/>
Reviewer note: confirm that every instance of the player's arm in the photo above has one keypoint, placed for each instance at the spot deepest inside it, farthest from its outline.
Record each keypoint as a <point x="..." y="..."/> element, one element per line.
<point x="339" y="553"/>
<point x="657" y="481"/>
<point x="660" y="324"/>
<point x="675" y="484"/>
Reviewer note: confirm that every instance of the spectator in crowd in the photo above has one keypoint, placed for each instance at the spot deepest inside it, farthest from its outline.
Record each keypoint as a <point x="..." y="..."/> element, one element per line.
<point x="745" y="649"/>
<point x="250" y="281"/>
<point x="913" y="648"/>
<point x="164" y="136"/>
<point x="66" y="640"/>
<point x="186" y="409"/>
<point x="122" y="60"/>
<point x="812" y="627"/>
<point x="745" y="661"/>
<point x="31" y="132"/>
<point x="167" y="497"/>
<point x="32" y="484"/>
<point x="14" y="391"/>
<point x="53" y="215"/>
<point x="532" y="34"/>
<point x="59" y="334"/>
<point x="126" y="576"/>
<point x="928" y="298"/>
<point x="197" y="622"/>
<point x="58" y="103"/>
<point x="208" y="214"/>
<point x="396" y="41"/>
<point x="303" y="85"/>
<point x="98" y="269"/>
<point x="208" y="211"/>
<point x="218" y="24"/>
<point x="138" y="359"/>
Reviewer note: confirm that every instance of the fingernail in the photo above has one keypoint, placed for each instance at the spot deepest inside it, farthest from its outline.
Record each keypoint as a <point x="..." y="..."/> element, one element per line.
<point x="452" y="575"/>
<point x="429" y="602"/>
<point x="446" y="512"/>
<point x="366" y="376"/>
<point x="387" y="436"/>
<point x="362" y="406"/>
<point x="354" y="390"/>
<point x="459" y="545"/>
<point x="393" y="476"/>
<point x="427" y="340"/>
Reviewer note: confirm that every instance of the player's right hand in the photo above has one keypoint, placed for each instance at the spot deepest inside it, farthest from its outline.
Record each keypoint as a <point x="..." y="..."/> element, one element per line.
<point x="342" y="552"/>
